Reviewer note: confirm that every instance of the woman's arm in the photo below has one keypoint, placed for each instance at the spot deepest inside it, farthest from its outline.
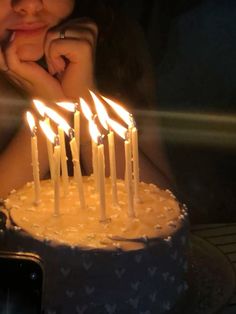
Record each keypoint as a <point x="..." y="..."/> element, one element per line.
<point x="15" y="161"/>
<point x="66" y="80"/>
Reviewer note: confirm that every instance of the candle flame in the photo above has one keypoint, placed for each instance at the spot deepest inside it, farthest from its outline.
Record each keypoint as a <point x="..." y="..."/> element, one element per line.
<point x="40" y="107"/>
<point x="31" y="121"/>
<point x="86" y="110"/>
<point x="123" y="114"/>
<point x="52" y="114"/>
<point x="69" y="106"/>
<point x="94" y="132"/>
<point x="118" y="128"/>
<point x="101" y="111"/>
<point x="48" y="131"/>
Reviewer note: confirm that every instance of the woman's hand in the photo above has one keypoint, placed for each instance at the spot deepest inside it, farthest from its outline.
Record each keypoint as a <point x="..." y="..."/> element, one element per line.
<point x="28" y="75"/>
<point x="70" y="62"/>
<point x="70" y="54"/>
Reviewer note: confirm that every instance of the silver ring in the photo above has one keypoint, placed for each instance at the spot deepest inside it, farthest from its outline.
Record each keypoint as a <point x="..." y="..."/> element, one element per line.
<point x="5" y="69"/>
<point x="62" y="34"/>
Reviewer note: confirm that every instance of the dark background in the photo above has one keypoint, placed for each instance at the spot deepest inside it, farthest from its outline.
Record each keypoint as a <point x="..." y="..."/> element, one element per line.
<point x="193" y="44"/>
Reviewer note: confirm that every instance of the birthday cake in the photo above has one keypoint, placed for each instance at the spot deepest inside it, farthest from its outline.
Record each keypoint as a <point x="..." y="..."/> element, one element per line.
<point x="121" y="265"/>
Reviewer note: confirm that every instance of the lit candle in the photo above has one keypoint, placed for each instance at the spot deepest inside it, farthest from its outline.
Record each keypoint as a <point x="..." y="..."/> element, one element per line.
<point x="112" y="160"/>
<point x="64" y="169"/>
<point x="41" y="109"/>
<point x="123" y="132"/>
<point x="77" y="169"/>
<point x="50" y="152"/>
<point x="34" y="154"/>
<point x="74" y="149"/>
<point x="56" y="159"/>
<point x="134" y="134"/>
<point x="128" y="177"/>
<point x="104" y="118"/>
<point x="89" y="116"/>
<point x="95" y="164"/>
<point x="97" y="138"/>
<point x="52" y="114"/>
<point x="77" y="128"/>
<point x="133" y="138"/>
<point x="73" y="107"/>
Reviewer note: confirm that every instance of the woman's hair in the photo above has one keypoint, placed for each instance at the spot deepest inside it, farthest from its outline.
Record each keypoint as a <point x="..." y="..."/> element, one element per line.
<point x="100" y="11"/>
<point x="123" y="65"/>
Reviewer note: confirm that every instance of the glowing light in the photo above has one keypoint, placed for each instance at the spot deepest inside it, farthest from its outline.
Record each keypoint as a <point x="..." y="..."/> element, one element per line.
<point x="69" y="106"/>
<point x="94" y="132"/>
<point x="40" y="107"/>
<point x="86" y="110"/>
<point x="101" y="111"/>
<point x="123" y="114"/>
<point x="118" y="128"/>
<point x="47" y="130"/>
<point x="30" y="120"/>
<point x="52" y="114"/>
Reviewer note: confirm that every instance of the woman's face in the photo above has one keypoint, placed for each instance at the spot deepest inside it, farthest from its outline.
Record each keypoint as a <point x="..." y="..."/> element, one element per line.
<point x="30" y="20"/>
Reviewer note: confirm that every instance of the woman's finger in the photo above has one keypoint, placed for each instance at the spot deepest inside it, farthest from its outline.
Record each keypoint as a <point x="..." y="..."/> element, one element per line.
<point x="85" y="23"/>
<point x="3" y="64"/>
<point x="31" y="77"/>
<point x="64" y="39"/>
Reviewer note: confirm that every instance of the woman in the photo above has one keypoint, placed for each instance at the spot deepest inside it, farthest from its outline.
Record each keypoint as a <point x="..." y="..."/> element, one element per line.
<point x="57" y="51"/>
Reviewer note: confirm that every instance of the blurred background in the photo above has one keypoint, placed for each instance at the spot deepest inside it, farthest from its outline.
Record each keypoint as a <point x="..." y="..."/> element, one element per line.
<point x="193" y="44"/>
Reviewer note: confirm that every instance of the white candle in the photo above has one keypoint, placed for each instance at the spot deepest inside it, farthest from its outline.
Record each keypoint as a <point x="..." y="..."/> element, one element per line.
<point x="64" y="169"/>
<point x="128" y="178"/>
<point x="101" y="182"/>
<point x="35" y="164"/>
<point x="50" y="152"/>
<point x="41" y="109"/>
<point x="77" y="171"/>
<point x="77" y="130"/>
<point x="57" y="159"/>
<point x="95" y="164"/>
<point x="97" y="139"/>
<point x="135" y="156"/>
<point x="104" y="120"/>
<point x="34" y="156"/>
<point x="123" y="132"/>
<point x="53" y="138"/>
<point x="112" y="161"/>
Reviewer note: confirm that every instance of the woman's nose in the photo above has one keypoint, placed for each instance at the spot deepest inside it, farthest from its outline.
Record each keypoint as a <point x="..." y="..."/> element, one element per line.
<point x="27" y="6"/>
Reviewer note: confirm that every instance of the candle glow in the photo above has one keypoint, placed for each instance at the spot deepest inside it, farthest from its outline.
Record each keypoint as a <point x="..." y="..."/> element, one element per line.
<point x="69" y="106"/>
<point x="40" y="107"/>
<point x="123" y="114"/>
<point x="86" y="110"/>
<point x="47" y="130"/>
<point x="101" y="111"/>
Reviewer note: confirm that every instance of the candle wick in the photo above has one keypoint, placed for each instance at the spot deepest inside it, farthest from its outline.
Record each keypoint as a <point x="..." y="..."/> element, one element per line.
<point x="71" y="133"/>
<point x="127" y="135"/>
<point x="132" y="121"/>
<point x="34" y="131"/>
<point x="100" y="140"/>
<point x="56" y="140"/>
<point x="76" y="108"/>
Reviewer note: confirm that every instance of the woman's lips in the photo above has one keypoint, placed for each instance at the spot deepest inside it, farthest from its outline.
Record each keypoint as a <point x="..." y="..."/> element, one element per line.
<point x="29" y="29"/>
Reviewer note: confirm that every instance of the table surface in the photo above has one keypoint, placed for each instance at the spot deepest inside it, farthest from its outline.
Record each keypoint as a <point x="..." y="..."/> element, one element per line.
<point x="223" y="236"/>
